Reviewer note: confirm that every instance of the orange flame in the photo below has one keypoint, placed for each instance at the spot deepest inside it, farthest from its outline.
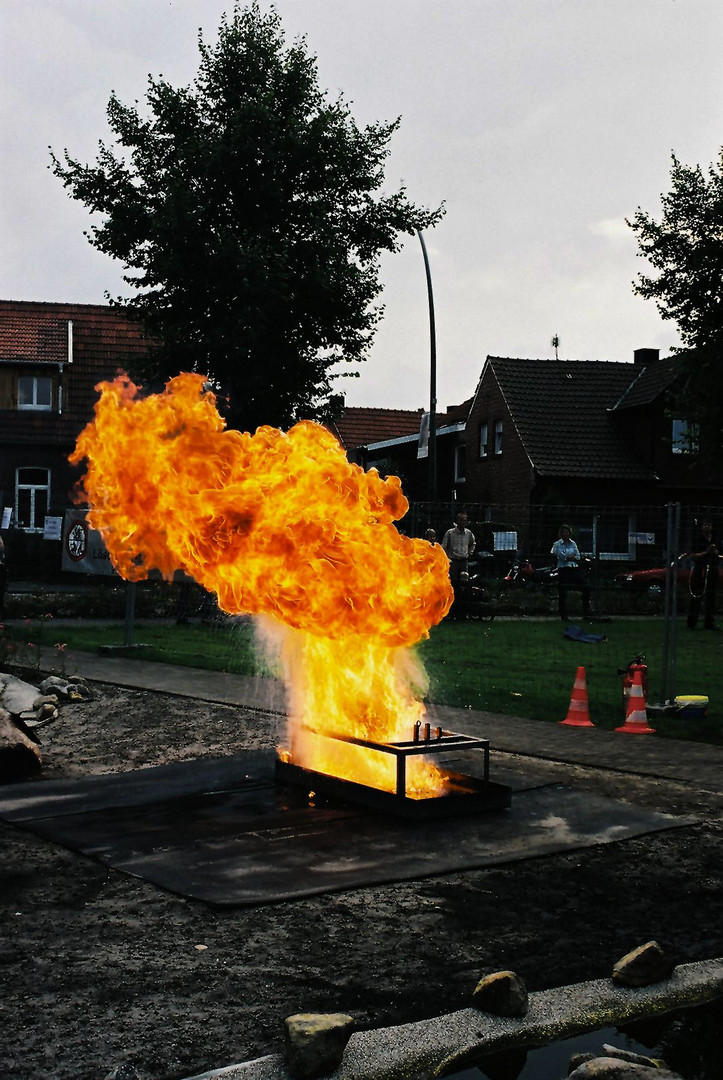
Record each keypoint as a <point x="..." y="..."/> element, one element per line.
<point x="280" y="525"/>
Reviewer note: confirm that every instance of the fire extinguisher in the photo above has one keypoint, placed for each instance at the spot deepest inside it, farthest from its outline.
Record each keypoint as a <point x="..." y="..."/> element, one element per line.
<point x="628" y="673"/>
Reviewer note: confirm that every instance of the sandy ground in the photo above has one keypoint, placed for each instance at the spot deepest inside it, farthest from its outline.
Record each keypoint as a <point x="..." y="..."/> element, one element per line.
<point x="98" y="968"/>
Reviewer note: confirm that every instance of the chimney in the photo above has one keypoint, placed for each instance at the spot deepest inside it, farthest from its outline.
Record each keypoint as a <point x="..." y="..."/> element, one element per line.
<point x="641" y="357"/>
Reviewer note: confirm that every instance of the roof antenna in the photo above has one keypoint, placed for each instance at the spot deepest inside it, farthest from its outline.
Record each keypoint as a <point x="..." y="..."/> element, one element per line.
<point x="556" y="344"/>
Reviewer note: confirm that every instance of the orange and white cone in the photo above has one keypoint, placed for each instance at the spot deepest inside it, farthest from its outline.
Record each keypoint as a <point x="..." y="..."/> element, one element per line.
<point x="636" y="714"/>
<point x="578" y="714"/>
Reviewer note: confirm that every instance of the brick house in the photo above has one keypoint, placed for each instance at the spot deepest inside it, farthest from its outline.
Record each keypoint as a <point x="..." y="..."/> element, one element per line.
<point x="51" y="358"/>
<point x="562" y="433"/>
<point x="582" y="432"/>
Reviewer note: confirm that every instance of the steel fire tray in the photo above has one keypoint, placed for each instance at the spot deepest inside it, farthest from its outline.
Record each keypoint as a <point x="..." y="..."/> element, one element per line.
<point x="463" y="794"/>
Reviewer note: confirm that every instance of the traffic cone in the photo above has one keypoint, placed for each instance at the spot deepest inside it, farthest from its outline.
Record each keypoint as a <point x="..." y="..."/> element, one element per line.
<point x="578" y="714"/>
<point x="636" y="715"/>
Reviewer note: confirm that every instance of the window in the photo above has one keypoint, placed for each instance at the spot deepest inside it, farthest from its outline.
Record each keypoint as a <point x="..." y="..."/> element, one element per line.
<point x="684" y="437"/>
<point x="35" y="392"/>
<point x="460" y="456"/>
<point x="32" y="497"/>
<point x="483" y="440"/>
<point x="498" y="436"/>
<point x="610" y="537"/>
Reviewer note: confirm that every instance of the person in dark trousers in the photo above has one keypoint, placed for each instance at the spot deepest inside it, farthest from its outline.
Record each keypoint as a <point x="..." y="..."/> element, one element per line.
<point x="458" y="544"/>
<point x="703" y="580"/>
<point x="569" y="574"/>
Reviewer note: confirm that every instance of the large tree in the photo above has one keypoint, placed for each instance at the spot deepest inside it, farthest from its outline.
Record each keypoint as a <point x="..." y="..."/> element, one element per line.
<point x="685" y="247"/>
<point x="248" y="214"/>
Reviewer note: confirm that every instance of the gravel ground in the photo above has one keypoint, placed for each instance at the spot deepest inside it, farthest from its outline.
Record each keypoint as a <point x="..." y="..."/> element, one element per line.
<point x="99" y="968"/>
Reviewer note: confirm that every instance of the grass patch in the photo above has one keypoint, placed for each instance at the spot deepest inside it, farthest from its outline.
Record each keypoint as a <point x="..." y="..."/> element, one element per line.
<point x="210" y="647"/>
<point x="513" y="667"/>
<point x="528" y="669"/>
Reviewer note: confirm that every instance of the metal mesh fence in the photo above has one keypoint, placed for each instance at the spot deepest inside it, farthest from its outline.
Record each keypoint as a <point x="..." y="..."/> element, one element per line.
<point x="616" y="538"/>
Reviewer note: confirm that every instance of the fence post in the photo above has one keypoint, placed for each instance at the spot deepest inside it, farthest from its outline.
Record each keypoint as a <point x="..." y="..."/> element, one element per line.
<point x="670" y="609"/>
<point x="130" y="611"/>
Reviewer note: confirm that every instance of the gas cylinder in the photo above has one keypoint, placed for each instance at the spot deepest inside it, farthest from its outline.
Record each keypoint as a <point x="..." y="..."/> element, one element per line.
<point x="628" y="674"/>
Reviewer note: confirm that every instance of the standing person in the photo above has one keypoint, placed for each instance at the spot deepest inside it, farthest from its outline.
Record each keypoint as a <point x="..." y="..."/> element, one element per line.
<point x="3" y="577"/>
<point x="458" y="544"/>
<point x="569" y="575"/>
<point x="431" y="536"/>
<point x="703" y="578"/>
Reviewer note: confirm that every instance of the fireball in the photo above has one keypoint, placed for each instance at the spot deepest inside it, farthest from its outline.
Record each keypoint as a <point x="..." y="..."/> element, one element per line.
<point x="282" y="526"/>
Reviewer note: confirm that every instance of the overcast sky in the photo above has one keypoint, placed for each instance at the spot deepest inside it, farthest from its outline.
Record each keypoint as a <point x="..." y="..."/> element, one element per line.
<point x="541" y="124"/>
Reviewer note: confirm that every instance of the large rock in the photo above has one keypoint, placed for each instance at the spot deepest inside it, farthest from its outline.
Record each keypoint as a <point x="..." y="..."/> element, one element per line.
<point x="315" y="1043"/>
<point x="19" y="756"/>
<point x="55" y="684"/>
<point x="628" y="1055"/>
<point x="622" y="1057"/>
<point x="17" y="696"/>
<point x="72" y="688"/>
<point x="607" y="1068"/>
<point x="643" y="966"/>
<point x="502" y="994"/>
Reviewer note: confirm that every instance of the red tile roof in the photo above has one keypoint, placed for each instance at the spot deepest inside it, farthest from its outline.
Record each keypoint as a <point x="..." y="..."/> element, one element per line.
<point x="360" y="426"/>
<point x="34" y="332"/>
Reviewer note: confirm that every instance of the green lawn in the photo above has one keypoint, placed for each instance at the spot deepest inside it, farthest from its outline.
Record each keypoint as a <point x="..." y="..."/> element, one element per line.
<point x="527" y="669"/>
<point x="516" y="667"/>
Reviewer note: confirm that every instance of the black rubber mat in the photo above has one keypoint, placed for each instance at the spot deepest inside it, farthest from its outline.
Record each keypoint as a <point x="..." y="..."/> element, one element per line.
<point x="219" y="830"/>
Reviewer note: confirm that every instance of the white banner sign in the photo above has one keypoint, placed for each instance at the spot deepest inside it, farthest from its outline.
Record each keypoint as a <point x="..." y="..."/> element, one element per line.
<point x="84" y="551"/>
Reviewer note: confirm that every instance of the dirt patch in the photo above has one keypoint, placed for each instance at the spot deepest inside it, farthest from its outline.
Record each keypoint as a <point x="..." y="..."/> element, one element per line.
<point x="100" y="968"/>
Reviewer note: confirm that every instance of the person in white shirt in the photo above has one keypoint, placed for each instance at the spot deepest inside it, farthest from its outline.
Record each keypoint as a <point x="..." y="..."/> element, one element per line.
<point x="569" y="576"/>
<point x="458" y="544"/>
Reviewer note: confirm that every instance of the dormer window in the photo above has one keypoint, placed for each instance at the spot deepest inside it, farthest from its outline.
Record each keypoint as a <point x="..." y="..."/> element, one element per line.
<point x="498" y="436"/>
<point x="460" y="459"/>
<point x="684" y="437"/>
<point x="35" y="392"/>
<point x="484" y="447"/>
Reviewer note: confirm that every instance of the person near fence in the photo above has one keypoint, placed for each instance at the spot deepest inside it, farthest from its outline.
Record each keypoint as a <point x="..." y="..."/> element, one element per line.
<point x="569" y="574"/>
<point x="3" y="577"/>
<point x="703" y="580"/>
<point x="458" y="543"/>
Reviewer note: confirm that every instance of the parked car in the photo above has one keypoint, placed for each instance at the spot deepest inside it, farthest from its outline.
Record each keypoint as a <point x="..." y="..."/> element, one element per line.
<point x="653" y="581"/>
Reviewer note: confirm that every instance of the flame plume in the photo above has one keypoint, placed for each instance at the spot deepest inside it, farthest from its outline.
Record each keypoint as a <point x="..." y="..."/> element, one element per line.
<point x="281" y="525"/>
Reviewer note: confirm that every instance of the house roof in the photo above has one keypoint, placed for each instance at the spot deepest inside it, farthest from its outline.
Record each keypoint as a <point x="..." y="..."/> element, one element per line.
<point x="562" y="411"/>
<point x="651" y="381"/>
<point x="24" y="338"/>
<point x="360" y="426"/>
<point x="34" y="332"/>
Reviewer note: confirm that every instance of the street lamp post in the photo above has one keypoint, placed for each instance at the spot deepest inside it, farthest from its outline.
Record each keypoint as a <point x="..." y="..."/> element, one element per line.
<point x="432" y="455"/>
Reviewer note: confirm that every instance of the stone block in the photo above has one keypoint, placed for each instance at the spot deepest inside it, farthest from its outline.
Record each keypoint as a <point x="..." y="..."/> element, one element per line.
<point x="502" y="994"/>
<point x="643" y="966"/>
<point x="315" y="1043"/>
